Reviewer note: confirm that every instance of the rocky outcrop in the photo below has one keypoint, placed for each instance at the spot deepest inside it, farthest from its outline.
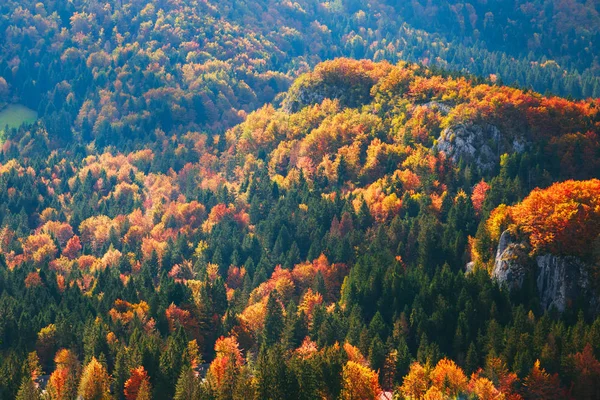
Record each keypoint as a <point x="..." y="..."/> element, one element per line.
<point x="308" y="95"/>
<point x="348" y="81"/>
<point x="480" y="144"/>
<point x="441" y="107"/>
<point x="560" y="280"/>
<point x="509" y="266"/>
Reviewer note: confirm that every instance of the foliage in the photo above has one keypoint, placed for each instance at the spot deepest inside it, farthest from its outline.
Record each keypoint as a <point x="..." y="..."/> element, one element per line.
<point x="312" y="252"/>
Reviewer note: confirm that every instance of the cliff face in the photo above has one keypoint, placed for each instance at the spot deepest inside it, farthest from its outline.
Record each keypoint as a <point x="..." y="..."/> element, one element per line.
<point x="509" y="267"/>
<point x="560" y="280"/>
<point x="481" y="144"/>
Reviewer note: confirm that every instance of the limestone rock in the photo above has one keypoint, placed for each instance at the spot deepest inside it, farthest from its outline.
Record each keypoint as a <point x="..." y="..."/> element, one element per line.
<point x="509" y="269"/>
<point x="481" y="144"/>
<point x="560" y="280"/>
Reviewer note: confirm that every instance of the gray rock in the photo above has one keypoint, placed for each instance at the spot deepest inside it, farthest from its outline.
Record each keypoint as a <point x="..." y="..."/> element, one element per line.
<point x="443" y="108"/>
<point x="560" y="280"/>
<point x="509" y="269"/>
<point x="308" y="95"/>
<point x="481" y="144"/>
<point x="470" y="267"/>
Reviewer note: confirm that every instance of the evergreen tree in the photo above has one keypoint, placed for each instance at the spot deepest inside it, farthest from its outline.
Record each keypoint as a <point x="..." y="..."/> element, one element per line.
<point x="274" y="322"/>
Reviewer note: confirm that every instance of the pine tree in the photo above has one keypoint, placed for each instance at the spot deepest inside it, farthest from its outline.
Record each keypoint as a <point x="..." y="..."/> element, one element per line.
<point x="120" y="371"/>
<point x="274" y="323"/>
<point x="186" y="387"/>
<point x="275" y="381"/>
<point x="28" y="390"/>
<point x="472" y="361"/>
<point x="145" y="391"/>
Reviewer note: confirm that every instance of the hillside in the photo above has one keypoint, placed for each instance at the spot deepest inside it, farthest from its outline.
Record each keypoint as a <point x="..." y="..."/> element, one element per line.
<point x="114" y="73"/>
<point x="315" y="250"/>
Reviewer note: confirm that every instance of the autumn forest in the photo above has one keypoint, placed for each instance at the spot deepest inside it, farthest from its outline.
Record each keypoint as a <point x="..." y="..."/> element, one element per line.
<point x="259" y="199"/>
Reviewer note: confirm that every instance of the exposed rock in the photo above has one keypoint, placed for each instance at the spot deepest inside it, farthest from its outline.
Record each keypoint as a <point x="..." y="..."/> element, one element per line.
<point x="348" y="82"/>
<point x="509" y="269"/>
<point x="307" y="95"/>
<point x="470" y="267"/>
<point x="443" y="108"/>
<point x="560" y="280"/>
<point x="481" y="144"/>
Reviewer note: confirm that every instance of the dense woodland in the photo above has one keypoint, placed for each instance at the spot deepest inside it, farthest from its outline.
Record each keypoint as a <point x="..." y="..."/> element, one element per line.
<point x="93" y="70"/>
<point x="315" y="253"/>
<point x="205" y="210"/>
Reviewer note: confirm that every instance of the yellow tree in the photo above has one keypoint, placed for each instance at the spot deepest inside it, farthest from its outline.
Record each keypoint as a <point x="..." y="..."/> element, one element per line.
<point x="449" y="378"/>
<point x="416" y="383"/>
<point x="484" y="389"/>
<point x="95" y="382"/>
<point x="359" y="382"/>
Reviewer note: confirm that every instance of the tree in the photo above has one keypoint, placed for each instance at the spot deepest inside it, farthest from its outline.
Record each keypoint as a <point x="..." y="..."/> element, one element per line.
<point x="587" y="374"/>
<point x="274" y="323"/>
<point x="449" y="378"/>
<point x="359" y="382"/>
<point x="541" y="385"/>
<point x="63" y="381"/>
<point x="484" y="389"/>
<point x="187" y="385"/>
<point x="72" y="248"/>
<point x="133" y="385"/>
<point x="416" y="383"/>
<point x="561" y="218"/>
<point x="145" y="391"/>
<point x="478" y="195"/>
<point x="95" y="382"/>
<point x="225" y="367"/>
<point x="274" y="379"/>
<point x="29" y="389"/>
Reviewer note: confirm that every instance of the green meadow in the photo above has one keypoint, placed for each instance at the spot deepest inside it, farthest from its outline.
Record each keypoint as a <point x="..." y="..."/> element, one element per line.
<point x="15" y="115"/>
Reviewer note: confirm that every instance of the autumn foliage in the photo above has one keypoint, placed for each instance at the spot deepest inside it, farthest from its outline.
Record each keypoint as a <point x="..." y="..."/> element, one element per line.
<point x="447" y="380"/>
<point x="63" y="381"/>
<point x="539" y="384"/>
<point x="226" y="364"/>
<point x="138" y="378"/>
<point x="95" y="382"/>
<point x="562" y="219"/>
<point x="478" y="196"/>
<point x="317" y="247"/>
<point x="359" y="382"/>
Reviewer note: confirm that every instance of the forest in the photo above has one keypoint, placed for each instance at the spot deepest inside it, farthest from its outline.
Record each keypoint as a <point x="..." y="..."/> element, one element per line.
<point x="94" y="69"/>
<point x="298" y="200"/>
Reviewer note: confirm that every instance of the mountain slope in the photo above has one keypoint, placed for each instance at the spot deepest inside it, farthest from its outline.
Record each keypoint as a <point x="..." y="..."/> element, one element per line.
<point x="325" y="240"/>
<point x="115" y="73"/>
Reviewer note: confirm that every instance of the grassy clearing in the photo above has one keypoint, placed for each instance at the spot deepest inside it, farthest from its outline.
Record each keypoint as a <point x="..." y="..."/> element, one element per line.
<point x="15" y="115"/>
